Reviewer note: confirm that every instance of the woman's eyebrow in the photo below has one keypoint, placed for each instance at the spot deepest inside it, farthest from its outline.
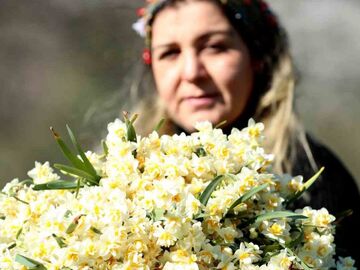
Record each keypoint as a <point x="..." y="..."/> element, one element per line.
<point x="198" y="39"/>
<point x="210" y="34"/>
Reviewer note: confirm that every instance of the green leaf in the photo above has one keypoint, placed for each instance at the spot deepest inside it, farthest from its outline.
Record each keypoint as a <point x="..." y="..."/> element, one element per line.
<point x="67" y="152"/>
<point x="27" y="182"/>
<point x="18" y="233"/>
<point x="18" y="199"/>
<point x="74" y="224"/>
<point x="57" y="184"/>
<point x="130" y="134"/>
<point x="78" y="186"/>
<point x="77" y="172"/>
<point x="60" y="240"/>
<point x="67" y="214"/>
<point x="301" y="262"/>
<point x="296" y="239"/>
<point x="221" y="124"/>
<point x="247" y="196"/>
<point x="11" y="246"/>
<point x="95" y="230"/>
<point x="159" y="125"/>
<point x="90" y="168"/>
<point x="205" y="196"/>
<point x="29" y="263"/>
<point x="105" y="147"/>
<point x="200" y="152"/>
<point x="278" y="214"/>
<point x="306" y="187"/>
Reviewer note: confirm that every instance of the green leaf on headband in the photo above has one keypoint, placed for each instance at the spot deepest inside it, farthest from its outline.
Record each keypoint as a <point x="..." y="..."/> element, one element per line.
<point x="29" y="263"/>
<point x="205" y="196"/>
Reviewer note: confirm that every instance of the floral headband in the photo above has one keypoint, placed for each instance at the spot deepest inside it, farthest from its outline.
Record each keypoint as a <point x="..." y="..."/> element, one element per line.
<point x="254" y="15"/>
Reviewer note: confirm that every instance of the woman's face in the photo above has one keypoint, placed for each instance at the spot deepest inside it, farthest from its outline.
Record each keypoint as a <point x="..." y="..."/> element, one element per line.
<point x="201" y="66"/>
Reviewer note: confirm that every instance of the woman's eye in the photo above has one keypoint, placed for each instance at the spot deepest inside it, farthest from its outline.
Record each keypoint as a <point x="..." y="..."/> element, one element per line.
<point x="217" y="47"/>
<point x="168" y="54"/>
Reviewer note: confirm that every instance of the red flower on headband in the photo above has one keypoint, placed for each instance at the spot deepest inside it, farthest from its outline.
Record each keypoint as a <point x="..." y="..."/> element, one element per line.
<point x="146" y="56"/>
<point x="140" y="12"/>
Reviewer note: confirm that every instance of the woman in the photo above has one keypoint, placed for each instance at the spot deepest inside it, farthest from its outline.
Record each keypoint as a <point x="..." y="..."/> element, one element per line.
<point x="229" y="60"/>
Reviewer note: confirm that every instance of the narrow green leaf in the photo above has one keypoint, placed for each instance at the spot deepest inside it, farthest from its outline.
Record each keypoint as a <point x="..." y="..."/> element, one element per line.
<point x="27" y="182"/>
<point x="159" y="125"/>
<point x="18" y="233"/>
<point x="73" y="224"/>
<point x="29" y="263"/>
<point x="300" y="261"/>
<point x="205" y="196"/>
<point x="306" y="187"/>
<point x="67" y="152"/>
<point x="67" y="214"/>
<point x="130" y="134"/>
<point x="247" y="196"/>
<point x="95" y="230"/>
<point x="2" y="217"/>
<point x="78" y="186"/>
<point x="221" y="124"/>
<point x="11" y="246"/>
<point x="18" y="199"/>
<point x="296" y="239"/>
<point x="57" y="184"/>
<point x="90" y="168"/>
<point x="77" y="172"/>
<point x="105" y="147"/>
<point x="200" y="152"/>
<point x="278" y="214"/>
<point x="59" y="241"/>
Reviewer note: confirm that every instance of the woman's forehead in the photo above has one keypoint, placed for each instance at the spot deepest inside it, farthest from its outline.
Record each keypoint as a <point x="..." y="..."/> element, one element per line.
<point x="189" y="20"/>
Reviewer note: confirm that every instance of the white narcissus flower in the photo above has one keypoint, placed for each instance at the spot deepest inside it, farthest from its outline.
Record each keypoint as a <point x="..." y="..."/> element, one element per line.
<point x="346" y="263"/>
<point x="43" y="173"/>
<point x="282" y="261"/>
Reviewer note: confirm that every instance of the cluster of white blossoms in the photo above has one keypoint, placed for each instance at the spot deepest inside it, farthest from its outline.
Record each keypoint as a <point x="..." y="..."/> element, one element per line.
<point x="200" y="201"/>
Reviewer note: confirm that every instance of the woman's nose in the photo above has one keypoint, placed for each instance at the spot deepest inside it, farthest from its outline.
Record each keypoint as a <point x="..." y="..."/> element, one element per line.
<point x="192" y="67"/>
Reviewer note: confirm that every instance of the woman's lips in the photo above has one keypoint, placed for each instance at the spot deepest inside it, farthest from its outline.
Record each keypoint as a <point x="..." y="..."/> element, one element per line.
<point x="201" y="101"/>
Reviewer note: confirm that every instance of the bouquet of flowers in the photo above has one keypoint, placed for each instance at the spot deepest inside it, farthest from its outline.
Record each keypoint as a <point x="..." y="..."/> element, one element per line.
<point x="200" y="201"/>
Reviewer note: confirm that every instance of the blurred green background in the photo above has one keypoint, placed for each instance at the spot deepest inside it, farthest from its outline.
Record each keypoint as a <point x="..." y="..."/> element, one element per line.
<point x="72" y="61"/>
